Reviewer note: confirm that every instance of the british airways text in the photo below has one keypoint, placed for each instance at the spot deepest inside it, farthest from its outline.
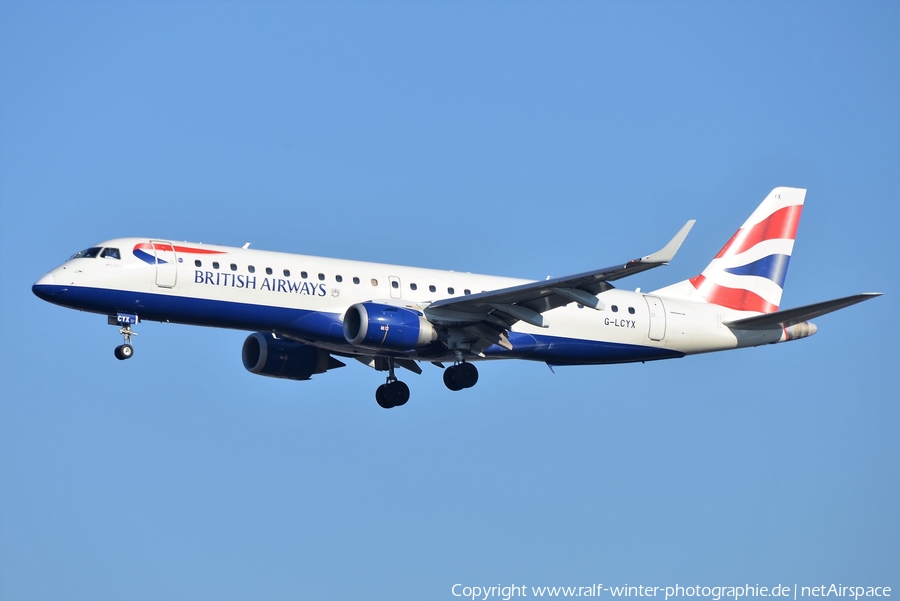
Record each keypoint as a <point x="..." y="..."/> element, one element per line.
<point x="239" y="280"/>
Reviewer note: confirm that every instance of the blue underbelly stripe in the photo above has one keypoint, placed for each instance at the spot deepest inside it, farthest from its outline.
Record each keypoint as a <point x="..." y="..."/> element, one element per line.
<point x="323" y="326"/>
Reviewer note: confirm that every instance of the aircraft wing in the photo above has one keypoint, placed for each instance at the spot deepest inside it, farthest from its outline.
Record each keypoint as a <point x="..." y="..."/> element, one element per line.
<point x="504" y="307"/>
<point x="790" y="317"/>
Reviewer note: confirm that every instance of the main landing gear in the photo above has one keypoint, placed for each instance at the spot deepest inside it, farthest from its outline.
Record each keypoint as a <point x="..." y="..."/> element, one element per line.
<point x="395" y="393"/>
<point x="392" y="393"/>
<point x="461" y="375"/>
<point x="125" y="351"/>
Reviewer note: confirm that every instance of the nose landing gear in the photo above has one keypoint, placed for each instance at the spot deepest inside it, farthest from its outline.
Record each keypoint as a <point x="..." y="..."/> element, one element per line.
<point x="125" y="351"/>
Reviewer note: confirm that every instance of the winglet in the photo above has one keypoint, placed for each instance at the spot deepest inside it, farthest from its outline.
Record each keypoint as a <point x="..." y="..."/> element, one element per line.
<point x="667" y="253"/>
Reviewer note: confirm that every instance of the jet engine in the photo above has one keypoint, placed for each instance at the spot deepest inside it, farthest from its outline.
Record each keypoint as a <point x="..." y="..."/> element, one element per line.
<point x="384" y="326"/>
<point x="266" y="355"/>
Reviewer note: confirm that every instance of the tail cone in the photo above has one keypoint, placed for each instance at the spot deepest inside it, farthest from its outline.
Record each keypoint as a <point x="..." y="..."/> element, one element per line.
<point x="797" y="331"/>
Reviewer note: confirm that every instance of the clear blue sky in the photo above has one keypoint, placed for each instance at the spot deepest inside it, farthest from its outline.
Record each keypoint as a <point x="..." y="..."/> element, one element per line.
<point x="522" y="139"/>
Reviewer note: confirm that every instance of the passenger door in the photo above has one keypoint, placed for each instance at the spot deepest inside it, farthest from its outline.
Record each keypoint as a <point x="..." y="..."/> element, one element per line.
<point x="166" y="264"/>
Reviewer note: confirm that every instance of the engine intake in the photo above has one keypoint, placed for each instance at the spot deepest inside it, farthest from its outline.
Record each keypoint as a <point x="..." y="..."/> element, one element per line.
<point x="384" y="326"/>
<point x="265" y="355"/>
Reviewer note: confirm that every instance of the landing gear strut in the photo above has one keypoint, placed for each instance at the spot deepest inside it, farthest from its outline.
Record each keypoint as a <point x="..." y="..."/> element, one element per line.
<point x="392" y="393"/>
<point x="125" y="351"/>
<point x="462" y="375"/>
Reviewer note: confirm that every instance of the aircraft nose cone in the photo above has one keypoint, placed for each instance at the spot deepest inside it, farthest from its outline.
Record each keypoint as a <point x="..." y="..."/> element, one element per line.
<point x="46" y="288"/>
<point x="48" y="280"/>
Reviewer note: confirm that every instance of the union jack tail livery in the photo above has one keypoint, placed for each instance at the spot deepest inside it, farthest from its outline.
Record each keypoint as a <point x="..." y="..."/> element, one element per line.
<point x="748" y="273"/>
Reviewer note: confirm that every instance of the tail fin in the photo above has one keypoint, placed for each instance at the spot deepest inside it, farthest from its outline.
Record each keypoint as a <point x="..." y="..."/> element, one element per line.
<point x="748" y="273"/>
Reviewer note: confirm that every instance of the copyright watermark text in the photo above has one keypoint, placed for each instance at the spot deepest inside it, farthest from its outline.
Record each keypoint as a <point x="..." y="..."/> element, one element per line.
<point x="714" y="593"/>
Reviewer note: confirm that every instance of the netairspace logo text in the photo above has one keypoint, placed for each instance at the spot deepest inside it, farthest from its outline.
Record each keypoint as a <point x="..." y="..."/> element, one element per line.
<point x="715" y="593"/>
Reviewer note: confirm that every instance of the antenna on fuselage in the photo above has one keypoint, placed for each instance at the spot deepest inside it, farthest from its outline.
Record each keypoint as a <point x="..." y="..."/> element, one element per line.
<point x="246" y="245"/>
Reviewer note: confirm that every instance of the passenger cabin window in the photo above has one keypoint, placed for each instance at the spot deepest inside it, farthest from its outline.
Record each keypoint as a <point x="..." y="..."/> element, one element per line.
<point x="268" y="271"/>
<point x="338" y="278"/>
<point x="287" y="273"/>
<point x="233" y="267"/>
<point x="631" y="310"/>
<point x="615" y="309"/>
<point x="215" y="264"/>
<point x="356" y="280"/>
<point x="88" y="253"/>
<point x="450" y="290"/>
<point x="197" y="263"/>
<point x="395" y="284"/>
<point x="374" y="282"/>
<point x="321" y="277"/>
<point x="304" y="275"/>
<point x="110" y="253"/>
<point x="413" y="287"/>
<point x="432" y="289"/>
<point x="251" y="269"/>
<point x="467" y="291"/>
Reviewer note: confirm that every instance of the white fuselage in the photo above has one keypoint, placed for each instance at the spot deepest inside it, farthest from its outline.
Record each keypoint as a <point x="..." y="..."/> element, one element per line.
<point x="305" y="298"/>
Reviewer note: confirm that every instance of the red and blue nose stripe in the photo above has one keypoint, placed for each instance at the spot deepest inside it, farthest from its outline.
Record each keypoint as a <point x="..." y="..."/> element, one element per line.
<point x="140" y="251"/>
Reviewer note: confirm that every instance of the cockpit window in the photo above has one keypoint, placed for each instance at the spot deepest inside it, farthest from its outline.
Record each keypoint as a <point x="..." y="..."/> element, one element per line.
<point x="89" y="253"/>
<point x="110" y="253"/>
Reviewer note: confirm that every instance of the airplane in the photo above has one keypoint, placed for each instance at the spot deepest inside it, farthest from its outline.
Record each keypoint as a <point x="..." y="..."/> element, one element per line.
<point x="306" y="312"/>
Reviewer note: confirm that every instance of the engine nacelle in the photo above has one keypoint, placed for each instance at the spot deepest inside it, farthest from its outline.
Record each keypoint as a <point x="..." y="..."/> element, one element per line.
<point x="384" y="326"/>
<point x="265" y="355"/>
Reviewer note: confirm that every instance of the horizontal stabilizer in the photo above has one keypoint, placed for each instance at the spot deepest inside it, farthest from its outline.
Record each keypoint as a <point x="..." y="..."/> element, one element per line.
<point x="790" y="317"/>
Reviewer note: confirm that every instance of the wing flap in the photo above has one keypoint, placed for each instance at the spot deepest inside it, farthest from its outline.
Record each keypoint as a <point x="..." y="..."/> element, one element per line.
<point x="381" y="363"/>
